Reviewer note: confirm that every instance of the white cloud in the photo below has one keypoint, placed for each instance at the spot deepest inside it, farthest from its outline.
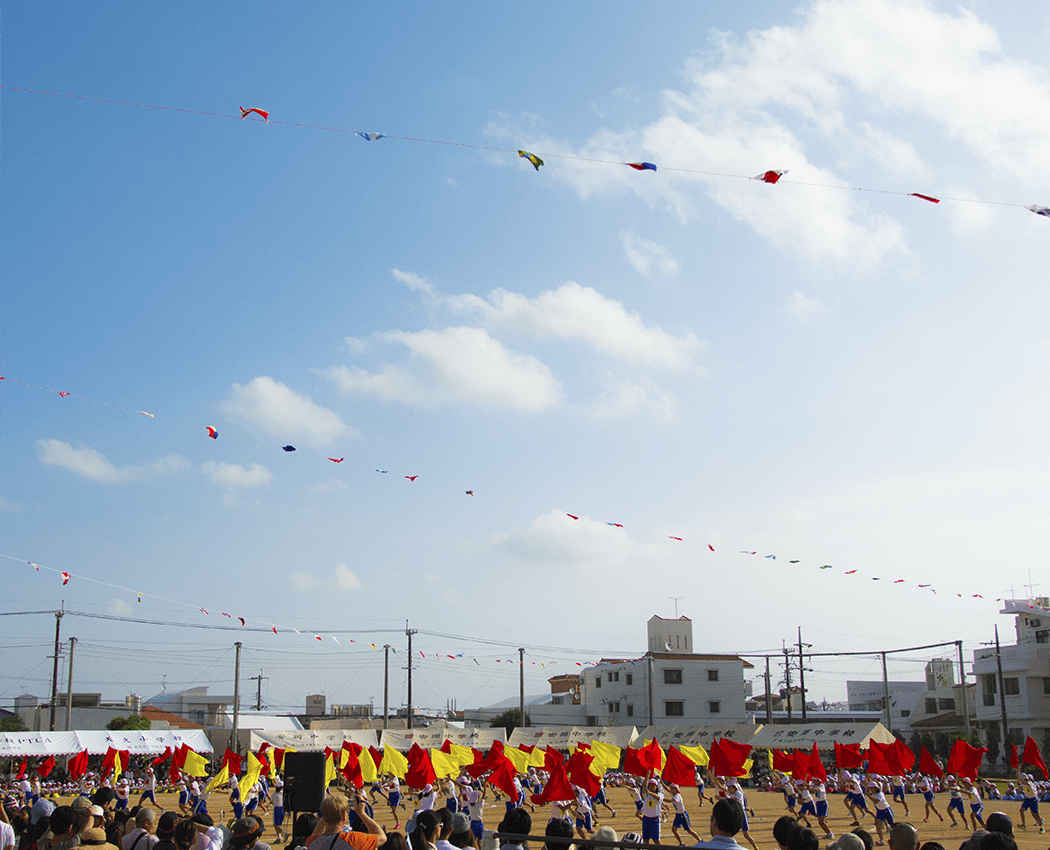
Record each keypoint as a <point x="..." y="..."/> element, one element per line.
<point x="646" y="256"/>
<point x="119" y="607"/>
<point x="280" y="411"/>
<point x="822" y="96"/>
<point x="89" y="463"/>
<point x="557" y="538"/>
<point x="345" y="578"/>
<point x="7" y="505"/>
<point x="413" y="281"/>
<point x="801" y="306"/>
<point x="580" y="312"/>
<point x="236" y="477"/>
<point x="464" y="364"/>
<point x="302" y="581"/>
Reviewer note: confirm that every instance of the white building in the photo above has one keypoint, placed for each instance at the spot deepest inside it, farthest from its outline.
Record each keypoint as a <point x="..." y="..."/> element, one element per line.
<point x="668" y="686"/>
<point x="1026" y="674"/>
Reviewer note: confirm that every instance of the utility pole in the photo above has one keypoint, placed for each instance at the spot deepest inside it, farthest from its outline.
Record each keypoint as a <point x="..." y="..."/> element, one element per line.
<point x="386" y="686"/>
<point x="962" y="678"/>
<point x="769" y="697"/>
<point x="409" y="632"/>
<point x="236" y="696"/>
<point x="258" y="693"/>
<point x="886" y="694"/>
<point x="54" y="674"/>
<point x="787" y="681"/>
<point x="802" y="674"/>
<point x="521" y="686"/>
<point x="69" y="685"/>
<point x="1002" y="695"/>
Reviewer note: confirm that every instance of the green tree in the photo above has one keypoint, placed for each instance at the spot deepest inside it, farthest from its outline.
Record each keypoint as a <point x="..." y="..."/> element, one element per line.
<point x="133" y="722"/>
<point x="511" y="719"/>
<point x="994" y="739"/>
<point x="12" y="723"/>
<point x="942" y="744"/>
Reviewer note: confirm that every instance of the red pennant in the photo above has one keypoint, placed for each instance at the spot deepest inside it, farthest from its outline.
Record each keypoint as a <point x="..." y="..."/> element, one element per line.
<point x="782" y="761"/>
<point x="1032" y="756"/>
<point x="579" y="772"/>
<point x="816" y="766"/>
<point x="848" y="756"/>
<point x="679" y="769"/>
<point x="928" y="765"/>
<point x="45" y="767"/>
<point x="728" y="757"/>
<point x="557" y="787"/>
<point x="964" y="759"/>
<point x="163" y="757"/>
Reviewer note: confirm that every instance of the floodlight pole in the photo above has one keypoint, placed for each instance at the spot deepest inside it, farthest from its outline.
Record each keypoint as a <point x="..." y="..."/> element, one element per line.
<point x="54" y="674"/>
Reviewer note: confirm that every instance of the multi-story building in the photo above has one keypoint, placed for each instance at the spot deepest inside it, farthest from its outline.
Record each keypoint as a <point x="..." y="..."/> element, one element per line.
<point x="671" y="685"/>
<point x="1025" y="674"/>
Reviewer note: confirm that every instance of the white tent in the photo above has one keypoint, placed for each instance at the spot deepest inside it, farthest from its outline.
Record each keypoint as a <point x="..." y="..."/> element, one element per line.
<point x="702" y="736"/>
<point x="99" y="741"/>
<point x="312" y="740"/>
<point x="567" y="737"/>
<point x="434" y="736"/>
<point x="824" y="735"/>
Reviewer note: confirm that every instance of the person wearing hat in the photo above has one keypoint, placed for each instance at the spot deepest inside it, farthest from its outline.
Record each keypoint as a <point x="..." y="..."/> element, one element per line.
<point x="651" y="811"/>
<point x="1030" y="801"/>
<point x="462" y="835"/>
<point x="847" y="841"/>
<point x="95" y="837"/>
<point x="166" y="831"/>
<point x="246" y="833"/>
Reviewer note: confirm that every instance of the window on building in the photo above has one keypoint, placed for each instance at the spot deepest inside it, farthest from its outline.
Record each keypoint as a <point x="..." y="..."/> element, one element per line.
<point x="598" y="682"/>
<point x="1012" y="686"/>
<point x="674" y="707"/>
<point x="714" y="707"/>
<point x="1046" y="684"/>
<point x="616" y="707"/>
<point x="905" y="713"/>
<point x="988" y="699"/>
<point x="616" y="676"/>
<point x="630" y="710"/>
<point x="946" y="704"/>
<point x="630" y="678"/>
<point x="672" y="677"/>
<point x="931" y="705"/>
<point x="609" y="674"/>
<point x="712" y="675"/>
<point x="1042" y="636"/>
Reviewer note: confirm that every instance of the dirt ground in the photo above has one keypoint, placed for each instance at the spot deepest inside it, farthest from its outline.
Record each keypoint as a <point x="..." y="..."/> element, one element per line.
<point x="768" y="807"/>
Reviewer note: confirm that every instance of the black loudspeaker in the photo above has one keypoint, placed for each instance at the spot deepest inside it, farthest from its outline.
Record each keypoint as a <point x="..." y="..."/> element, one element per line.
<point x="303" y="782"/>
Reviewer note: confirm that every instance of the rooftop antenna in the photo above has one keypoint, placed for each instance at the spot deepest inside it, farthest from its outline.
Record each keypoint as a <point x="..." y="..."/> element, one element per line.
<point x="1031" y="587"/>
<point x="676" y="598"/>
<point x="164" y="683"/>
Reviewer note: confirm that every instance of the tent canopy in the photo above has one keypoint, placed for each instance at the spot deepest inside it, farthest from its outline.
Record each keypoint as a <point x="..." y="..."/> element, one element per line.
<point x="98" y="741"/>
<point x="824" y="735"/>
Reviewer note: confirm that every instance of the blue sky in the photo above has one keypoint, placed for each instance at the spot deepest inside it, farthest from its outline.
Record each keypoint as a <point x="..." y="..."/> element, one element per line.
<point x="830" y="376"/>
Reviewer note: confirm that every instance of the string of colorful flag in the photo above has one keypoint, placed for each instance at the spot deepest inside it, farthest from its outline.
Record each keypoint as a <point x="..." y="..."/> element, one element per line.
<point x="67" y="577"/>
<point x="213" y="433"/>
<point x="771" y="176"/>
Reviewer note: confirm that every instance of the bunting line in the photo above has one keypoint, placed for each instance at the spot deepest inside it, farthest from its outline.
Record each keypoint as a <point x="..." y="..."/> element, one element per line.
<point x="772" y="176"/>
<point x="412" y="479"/>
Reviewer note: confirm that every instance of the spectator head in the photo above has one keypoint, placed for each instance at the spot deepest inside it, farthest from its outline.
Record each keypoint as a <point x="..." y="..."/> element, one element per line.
<point x="559" y="834"/>
<point x="903" y="836"/>
<point x="727" y="817"/>
<point x="995" y="822"/>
